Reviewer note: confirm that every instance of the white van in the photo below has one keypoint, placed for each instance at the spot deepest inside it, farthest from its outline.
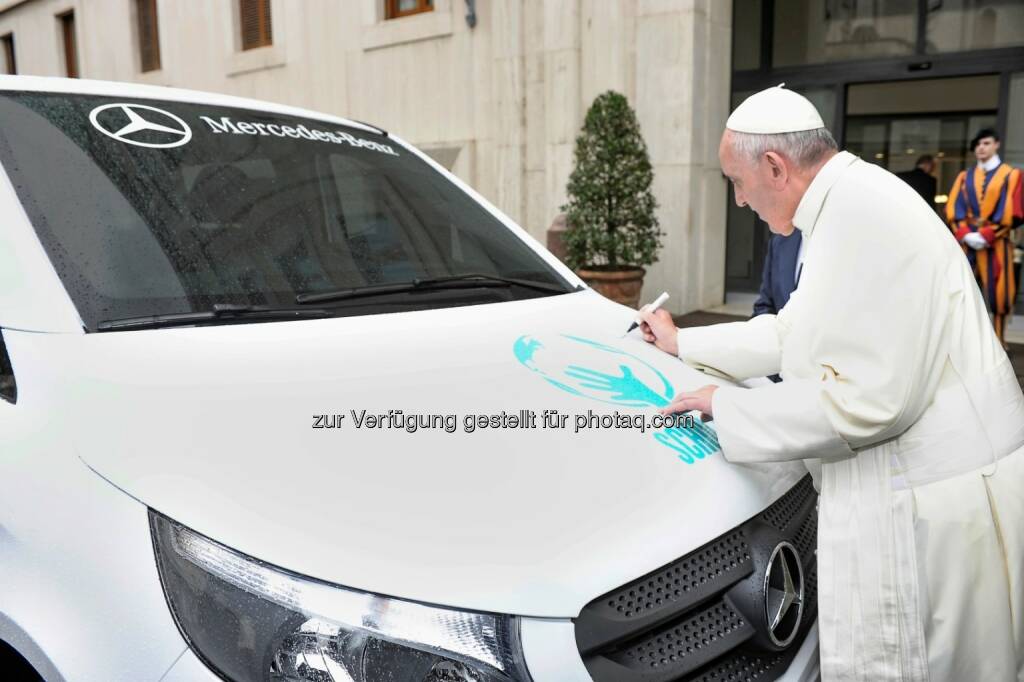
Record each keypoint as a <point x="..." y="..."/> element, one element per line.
<point x="282" y="399"/>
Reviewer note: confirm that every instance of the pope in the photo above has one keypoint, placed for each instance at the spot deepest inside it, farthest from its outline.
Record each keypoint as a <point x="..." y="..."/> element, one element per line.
<point x="896" y="394"/>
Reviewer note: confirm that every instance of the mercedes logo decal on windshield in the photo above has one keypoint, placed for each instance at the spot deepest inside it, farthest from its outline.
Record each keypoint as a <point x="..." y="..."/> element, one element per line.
<point x="140" y="125"/>
<point x="784" y="594"/>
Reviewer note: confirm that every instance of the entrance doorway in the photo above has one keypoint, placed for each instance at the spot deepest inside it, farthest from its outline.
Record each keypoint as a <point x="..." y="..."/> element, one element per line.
<point x="897" y="142"/>
<point x="894" y="124"/>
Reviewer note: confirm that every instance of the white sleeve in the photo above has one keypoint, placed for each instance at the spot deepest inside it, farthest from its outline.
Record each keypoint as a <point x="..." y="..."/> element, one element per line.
<point x="781" y="422"/>
<point x="733" y="350"/>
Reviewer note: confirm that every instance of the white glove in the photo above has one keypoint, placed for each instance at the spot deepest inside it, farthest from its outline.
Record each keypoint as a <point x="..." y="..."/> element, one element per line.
<point x="975" y="241"/>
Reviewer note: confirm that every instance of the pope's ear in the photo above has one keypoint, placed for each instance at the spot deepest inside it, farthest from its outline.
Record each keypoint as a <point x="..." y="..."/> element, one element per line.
<point x="777" y="167"/>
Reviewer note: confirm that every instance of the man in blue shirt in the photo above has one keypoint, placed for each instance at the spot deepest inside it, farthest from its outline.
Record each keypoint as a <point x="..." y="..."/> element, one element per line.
<point x="779" y="278"/>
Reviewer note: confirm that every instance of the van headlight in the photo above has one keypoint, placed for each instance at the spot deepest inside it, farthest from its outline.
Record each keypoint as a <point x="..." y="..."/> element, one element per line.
<point x="250" y="621"/>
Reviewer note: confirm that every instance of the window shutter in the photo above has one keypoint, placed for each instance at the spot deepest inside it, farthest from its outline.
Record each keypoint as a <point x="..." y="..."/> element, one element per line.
<point x="255" y="23"/>
<point x="67" y="25"/>
<point x="394" y="9"/>
<point x="9" y="63"/>
<point x="149" y="35"/>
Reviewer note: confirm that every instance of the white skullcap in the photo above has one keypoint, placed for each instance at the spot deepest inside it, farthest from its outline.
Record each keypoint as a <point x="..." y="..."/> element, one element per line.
<point x="775" y="110"/>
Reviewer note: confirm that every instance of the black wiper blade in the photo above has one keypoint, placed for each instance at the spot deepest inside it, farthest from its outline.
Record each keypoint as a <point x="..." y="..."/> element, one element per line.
<point x="450" y="282"/>
<point x="475" y="276"/>
<point x="219" y="312"/>
<point x="354" y="292"/>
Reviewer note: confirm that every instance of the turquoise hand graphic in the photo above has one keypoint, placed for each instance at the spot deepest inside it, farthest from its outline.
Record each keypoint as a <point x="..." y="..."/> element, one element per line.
<point x="625" y="388"/>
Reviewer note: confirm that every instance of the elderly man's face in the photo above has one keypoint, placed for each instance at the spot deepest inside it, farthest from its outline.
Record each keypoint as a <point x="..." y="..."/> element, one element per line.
<point x="765" y="186"/>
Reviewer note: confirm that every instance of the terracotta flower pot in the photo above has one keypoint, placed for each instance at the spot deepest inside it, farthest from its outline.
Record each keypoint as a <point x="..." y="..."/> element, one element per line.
<point x="620" y="284"/>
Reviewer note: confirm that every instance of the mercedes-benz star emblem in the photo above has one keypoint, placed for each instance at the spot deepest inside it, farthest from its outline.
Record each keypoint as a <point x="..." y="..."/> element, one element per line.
<point x="784" y="594"/>
<point x="140" y="125"/>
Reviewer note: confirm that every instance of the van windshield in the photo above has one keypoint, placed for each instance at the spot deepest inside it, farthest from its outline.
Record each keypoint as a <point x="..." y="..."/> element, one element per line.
<point x="153" y="208"/>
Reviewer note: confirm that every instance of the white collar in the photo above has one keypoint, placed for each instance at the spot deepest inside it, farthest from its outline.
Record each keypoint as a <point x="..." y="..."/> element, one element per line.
<point x="991" y="164"/>
<point x="810" y="204"/>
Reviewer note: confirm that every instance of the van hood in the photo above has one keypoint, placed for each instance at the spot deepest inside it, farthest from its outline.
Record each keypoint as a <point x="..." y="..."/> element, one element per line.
<point x="221" y="429"/>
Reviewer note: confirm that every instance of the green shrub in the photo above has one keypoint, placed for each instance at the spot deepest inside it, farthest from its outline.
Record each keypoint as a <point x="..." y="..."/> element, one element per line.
<point x="611" y="210"/>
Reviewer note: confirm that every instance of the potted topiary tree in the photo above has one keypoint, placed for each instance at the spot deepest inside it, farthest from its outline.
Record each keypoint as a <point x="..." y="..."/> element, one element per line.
<point x="612" y="231"/>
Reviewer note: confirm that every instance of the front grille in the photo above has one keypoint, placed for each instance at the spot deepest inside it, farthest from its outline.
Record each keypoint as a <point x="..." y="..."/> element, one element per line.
<point x="685" y="579"/>
<point x="785" y="511"/>
<point x="702" y="616"/>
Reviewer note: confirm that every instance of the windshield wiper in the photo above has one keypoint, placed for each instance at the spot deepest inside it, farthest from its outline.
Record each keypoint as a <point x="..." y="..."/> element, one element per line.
<point x="219" y="311"/>
<point x="469" y="280"/>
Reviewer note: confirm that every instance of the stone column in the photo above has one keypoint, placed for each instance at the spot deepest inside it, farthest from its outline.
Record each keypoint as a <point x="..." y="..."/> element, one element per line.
<point x="562" y="106"/>
<point x="682" y="81"/>
<point x="509" y="106"/>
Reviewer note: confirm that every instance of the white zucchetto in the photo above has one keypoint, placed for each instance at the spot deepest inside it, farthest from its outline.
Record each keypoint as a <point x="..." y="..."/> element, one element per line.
<point x="775" y="110"/>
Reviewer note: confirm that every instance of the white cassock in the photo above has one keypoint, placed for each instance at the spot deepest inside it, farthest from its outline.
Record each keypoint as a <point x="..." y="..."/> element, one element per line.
<point x="907" y="409"/>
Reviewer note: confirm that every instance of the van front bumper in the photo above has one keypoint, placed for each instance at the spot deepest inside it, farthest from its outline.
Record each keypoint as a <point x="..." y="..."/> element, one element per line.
<point x="551" y="655"/>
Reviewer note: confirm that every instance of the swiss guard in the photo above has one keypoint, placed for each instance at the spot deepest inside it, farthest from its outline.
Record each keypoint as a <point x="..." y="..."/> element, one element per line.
<point x="984" y="205"/>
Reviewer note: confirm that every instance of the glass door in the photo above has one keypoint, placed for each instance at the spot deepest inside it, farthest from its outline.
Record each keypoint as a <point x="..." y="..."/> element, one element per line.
<point x="896" y="143"/>
<point x="894" y="124"/>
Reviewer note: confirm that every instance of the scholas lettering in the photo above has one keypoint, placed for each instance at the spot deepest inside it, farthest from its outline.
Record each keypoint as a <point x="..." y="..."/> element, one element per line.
<point x="692" y="443"/>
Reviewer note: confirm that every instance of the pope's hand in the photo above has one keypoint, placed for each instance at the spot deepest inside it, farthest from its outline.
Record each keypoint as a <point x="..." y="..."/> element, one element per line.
<point x="699" y="400"/>
<point x="975" y="240"/>
<point x="659" y="329"/>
